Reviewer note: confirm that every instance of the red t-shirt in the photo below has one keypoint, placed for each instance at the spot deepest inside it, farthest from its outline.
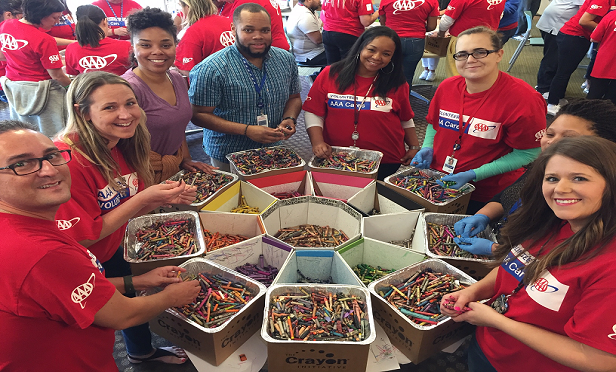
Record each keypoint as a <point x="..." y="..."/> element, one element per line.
<point x="117" y="14"/>
<point x="343" y="15"/>
<point x="596" y="7"/>
<point x="91" y="198"/>
<point x="64" y="29"/>
<point x="51" y="290"/>
<point x="473" y="13"/>
<point x="511" y="116"/>
<point x="29" y="52"/>
<point x="2" y="65"/>
<point x="575" y="300"/>
<point x="379" y="124"/>
<point x="226" y="9"/>
<point x="206" y="36"/>
<point x="111" y="56"/>
<point x="279" y="38"/>
<point x="408" y="18"/>
<point x="605" y="33"/>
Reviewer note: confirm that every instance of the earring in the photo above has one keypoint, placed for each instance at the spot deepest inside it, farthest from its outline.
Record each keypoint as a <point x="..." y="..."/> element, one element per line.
<point x="392" y="69"/>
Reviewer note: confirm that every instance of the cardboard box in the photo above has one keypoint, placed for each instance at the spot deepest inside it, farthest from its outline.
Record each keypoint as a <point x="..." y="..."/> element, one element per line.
<point x="475" y="267"/>
<point x="360" y="153"/>
<point x="300" y="182"/>
<point x="196" y="206"/>
<point x="374" y="253"/>
<point x="274" y="252"/>
<point x="248" y="225"/>
<point x="213" y="345"/>
<point x="290" y="355"/>
<point x="232" y="197"/>
<point x="268" y="172"/>
<point x="456" y="205"/>
<point x="312" y="210"/>
<point x="384" y="200"/>
<point x="338" y="186"/>
<point x="437" y="45"/>
<point x="320" y="264"/>
<point x="414" y="341"/>
<point x="396" y="227"/>
<point x="131" y="246"/>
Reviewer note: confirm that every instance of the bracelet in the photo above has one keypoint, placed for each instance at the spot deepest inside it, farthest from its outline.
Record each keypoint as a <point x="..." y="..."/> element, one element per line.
<point x="292" y="118"/>
<point x="246" y="130"/>
<point x="129" y="288"/>
<point x="113" y="32"/>
<point x="415" y="147"/>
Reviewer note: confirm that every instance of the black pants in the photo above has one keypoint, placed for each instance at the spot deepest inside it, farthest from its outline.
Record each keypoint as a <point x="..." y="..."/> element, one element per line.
<point x="602" y="89"/>
<point x="549" y="63"/>
<point x="337" y="45"/>
<point x="320" y="60"/>
<point x="571" y="51"/>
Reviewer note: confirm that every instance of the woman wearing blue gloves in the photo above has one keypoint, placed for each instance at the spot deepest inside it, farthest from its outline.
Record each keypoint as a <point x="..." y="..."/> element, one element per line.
<point x="503" y="118"/>
<point x="584" y="117"/>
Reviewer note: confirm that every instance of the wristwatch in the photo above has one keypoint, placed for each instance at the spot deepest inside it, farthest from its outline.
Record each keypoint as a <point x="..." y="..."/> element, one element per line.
<point x="292" y="118"/>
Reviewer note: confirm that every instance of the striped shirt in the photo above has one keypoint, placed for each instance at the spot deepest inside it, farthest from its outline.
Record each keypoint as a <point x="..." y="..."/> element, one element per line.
<point x="222" y="81"/>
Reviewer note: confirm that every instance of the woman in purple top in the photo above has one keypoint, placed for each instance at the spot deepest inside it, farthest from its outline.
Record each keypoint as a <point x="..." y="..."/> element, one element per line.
<point x="162" y="93"/>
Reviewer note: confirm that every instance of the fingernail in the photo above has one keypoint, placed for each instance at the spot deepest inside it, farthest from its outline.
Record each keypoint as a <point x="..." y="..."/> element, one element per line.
<point x="457" y="308"/>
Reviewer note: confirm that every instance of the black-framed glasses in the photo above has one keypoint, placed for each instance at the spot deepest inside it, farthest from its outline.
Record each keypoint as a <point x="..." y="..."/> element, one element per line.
<point x="33" y="165"/>
<point x="477" y="54"/>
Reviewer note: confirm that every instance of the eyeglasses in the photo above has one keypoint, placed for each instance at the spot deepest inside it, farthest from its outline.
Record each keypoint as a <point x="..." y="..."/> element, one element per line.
<point x="29" y="166"/>
<point x="477" y="54"/>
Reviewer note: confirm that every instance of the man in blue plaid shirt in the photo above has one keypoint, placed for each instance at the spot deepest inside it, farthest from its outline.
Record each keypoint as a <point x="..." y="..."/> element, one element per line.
<point x="246" y="95"/>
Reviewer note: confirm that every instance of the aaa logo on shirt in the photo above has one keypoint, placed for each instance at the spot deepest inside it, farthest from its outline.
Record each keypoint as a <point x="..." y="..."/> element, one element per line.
<point x="227" y="38"/>
<point x="108" y="198"/>
<point x="275" y="6"/>
<point x="10" y="43"/>
<point x="492" y="3"/>
<point x="348" y="101"/>
<point x="96" y="62"/>
<point x="480" y="128"/>
<point x="67" y="224"/>
<point x="83" y="291"/>
<point x="406" y="5"/>
<point x="547" y="291"/>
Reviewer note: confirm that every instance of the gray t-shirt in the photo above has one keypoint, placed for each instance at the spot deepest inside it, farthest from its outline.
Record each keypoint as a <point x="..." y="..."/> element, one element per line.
<point x="302" y="21"/>
<point x="557" y="13"/>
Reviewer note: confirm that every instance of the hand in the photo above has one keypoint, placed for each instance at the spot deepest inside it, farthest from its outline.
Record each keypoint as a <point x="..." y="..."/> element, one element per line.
<point x="158" y="277"/>
<point x="187" y="196"/>
<point x="423" y="158"/>
<point x="121" y="31"/>
<point x="322" y="150"/>
<point x="455" y="304"/>
<point x="432" y="34"/>
<point x="471" y="225"/>
<point x="194" y="166"/>
<point x="180" y="294"/>
<point x="264" y="135"/>
<point x="407" y="158"/>
<point x="162" y="194"/>
<point x="287" y="127"/>
<point x="481" y="315"/>
<point x="460" y="179"/>
<point x="475" y="245"/>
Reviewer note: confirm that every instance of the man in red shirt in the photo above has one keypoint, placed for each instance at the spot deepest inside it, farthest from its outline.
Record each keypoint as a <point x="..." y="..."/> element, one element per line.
<point x="117" y="11"/>
<point x="43" y="314"/>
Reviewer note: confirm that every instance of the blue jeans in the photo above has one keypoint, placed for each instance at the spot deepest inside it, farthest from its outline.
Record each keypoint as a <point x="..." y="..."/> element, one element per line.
<point x="138" y="339"/>
<point x="412" y="51"/>
<point x="477" y="361"/>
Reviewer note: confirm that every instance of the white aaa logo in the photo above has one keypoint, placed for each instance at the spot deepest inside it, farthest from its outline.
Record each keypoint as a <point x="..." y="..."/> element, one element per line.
<point x="275" y="6"/>
<point x="613" y="335"/>
<point x="493" y="3"/>
<point x="405" y="5"/>
<point x="67" y="224"/>
<point x="96" y="62"/>
<point x="10" y="43"/>
<point x="82" y="292"/>
<point x="227" y="38"/>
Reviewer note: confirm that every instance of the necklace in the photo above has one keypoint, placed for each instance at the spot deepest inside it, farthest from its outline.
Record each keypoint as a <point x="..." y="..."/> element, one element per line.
<point x="355" y="134"/>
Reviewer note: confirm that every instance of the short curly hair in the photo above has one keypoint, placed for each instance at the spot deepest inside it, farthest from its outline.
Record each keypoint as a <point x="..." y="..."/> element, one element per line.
<point x="151" y="17"/>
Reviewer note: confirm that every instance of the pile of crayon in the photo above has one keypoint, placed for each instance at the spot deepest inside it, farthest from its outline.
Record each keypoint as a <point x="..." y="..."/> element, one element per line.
<point x="440" y="242"/>
<point x="347" y="162"/>
<point x="245" y="208"/>
<point x="317" y="316"/>
<point x="214" y="241"/>
<point x="286" y="195"/>
<point x="419" y="296"/>
<point x="312" y="236"/>
<point x="218" y="300"/>
<point x="264" y="159"/>
<point x="165" y="239"/>
<point x="207" y="184"/>
<point x="261" y="272"/>
<point x="369" y="274"/>
<point x="424" y="185"/>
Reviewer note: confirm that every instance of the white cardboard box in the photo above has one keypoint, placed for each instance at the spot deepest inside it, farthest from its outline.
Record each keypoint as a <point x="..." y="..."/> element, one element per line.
<point x="338" y="186"/>
<point x="383" y="199"/>
<point x="320" y="264"/>
<point x="248" y="225"/>
<point x="231" y="198"/>
<point x="396" y="227"/>
<point x="287" y="182"/>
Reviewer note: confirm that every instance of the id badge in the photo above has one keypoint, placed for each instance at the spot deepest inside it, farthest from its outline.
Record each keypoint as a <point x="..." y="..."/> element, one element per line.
<point x="450" y="164"/>
<point x="262" y="120"/>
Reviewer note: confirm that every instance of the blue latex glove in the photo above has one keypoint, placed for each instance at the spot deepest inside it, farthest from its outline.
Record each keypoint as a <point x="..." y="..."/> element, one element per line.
<point x="460" y="179"/>
<point x="423" y="158"/>
<point x="471" y="225"/>
<point x="475" y="245"/>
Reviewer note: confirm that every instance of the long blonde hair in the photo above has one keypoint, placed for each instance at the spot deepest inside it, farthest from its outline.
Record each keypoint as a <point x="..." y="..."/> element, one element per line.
<point x="81" y="135"/>
<point x="198" y="9"/>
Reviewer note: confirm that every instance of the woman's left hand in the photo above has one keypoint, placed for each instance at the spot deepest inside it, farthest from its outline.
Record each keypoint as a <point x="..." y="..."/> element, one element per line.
<point x="187" y="196"/>
<point x="158" y="277"/>
<point x="406" y="159"/>
<point x="194" y="166"/>
<point x="480" y="315"/>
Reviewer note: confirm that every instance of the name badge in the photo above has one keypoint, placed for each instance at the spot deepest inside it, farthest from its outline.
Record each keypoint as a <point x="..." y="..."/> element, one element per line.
<point x="450" y="164"/>
<point x="262" y="120"/>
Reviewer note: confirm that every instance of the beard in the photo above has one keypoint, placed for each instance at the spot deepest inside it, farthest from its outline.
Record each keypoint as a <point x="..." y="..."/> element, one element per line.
<point x="246" y="50"/>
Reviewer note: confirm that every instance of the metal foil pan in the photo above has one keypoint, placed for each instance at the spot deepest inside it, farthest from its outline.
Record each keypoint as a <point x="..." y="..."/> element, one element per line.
<point x="233" y="160"/>
<point x="368" y="155"/>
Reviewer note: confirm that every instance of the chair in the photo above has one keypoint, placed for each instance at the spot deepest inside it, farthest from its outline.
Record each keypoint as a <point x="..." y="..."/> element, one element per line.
<point x="518" y="50"/>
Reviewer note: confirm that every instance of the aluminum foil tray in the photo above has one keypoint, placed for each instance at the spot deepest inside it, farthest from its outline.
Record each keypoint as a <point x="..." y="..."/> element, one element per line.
<point x="235" y="157"/>
<point x="369" y="155"/>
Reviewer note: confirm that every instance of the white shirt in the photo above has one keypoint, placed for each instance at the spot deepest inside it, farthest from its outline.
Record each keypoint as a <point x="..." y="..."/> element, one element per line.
<point x="303" y="21"/>
<point x="557" y="13"/>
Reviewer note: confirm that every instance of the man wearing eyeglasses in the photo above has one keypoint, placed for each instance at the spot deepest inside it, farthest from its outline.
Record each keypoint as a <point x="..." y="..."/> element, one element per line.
<point x="55" y="297"/>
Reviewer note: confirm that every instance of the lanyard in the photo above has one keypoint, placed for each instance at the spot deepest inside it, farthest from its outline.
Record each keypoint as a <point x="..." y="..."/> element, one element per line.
<point x="461" y="127"/>
<point x="356" y="110"/>
<point x="221" y="9"/>
<point x="258" y="88"/>
<point x="114" y="13"/>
